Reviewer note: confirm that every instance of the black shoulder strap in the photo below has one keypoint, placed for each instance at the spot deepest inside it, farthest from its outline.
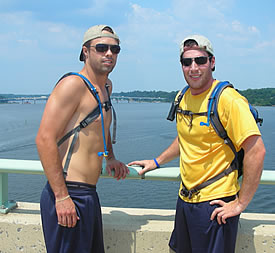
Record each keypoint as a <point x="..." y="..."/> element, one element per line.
<point x="114" y="115"/>
<point x="84" y="123"/>
<point x="175" y="104"/>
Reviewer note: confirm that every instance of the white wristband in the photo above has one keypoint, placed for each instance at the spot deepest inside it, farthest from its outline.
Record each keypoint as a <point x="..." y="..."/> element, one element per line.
<point x="59" y="200"/>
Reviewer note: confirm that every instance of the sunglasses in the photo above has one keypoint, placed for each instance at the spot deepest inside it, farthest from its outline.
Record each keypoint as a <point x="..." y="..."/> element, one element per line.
<point x="102" y="48"/>
<point x="198" y="60"/>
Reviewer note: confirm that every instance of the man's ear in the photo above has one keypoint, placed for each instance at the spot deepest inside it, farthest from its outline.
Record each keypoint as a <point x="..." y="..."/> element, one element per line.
<point x="85" y="52"/>
<point x="213" y="63"/>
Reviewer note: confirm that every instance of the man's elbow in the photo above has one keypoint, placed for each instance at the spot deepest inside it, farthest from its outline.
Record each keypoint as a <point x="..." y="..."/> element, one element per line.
<point x="38" y="139"/>
<point x="41" y="140"/>
<point x="261" y="151"/>
<point x="259" y="156"/>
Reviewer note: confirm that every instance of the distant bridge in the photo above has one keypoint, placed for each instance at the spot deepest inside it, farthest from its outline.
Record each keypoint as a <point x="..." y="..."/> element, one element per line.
<point x="29" y="100"/>
<point x="23" y="100"/>
<point x="136" y="99"/>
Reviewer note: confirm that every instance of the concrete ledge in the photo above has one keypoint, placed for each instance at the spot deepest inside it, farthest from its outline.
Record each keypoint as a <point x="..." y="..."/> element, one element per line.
<point x="137" y="230"/>
<point x="129" y="230"/>
<point x="21" y="231"/>
<point x="256" y="233"/>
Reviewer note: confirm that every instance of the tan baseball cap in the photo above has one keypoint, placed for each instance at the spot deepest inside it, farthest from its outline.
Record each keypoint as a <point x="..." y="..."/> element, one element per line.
<point x="203" y="43"/>
<point x="94" y="32"/>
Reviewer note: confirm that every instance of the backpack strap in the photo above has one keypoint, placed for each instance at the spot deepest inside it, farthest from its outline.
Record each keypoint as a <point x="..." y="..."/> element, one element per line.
<point x="175" y="105"/>
<point x="114" y="115"/>
<point x="237" y="163"/>
<point x="93" y="91"/>
<point x="255" y="114"/>
<point x="87" y="120"/>
<point x="214" y="116"/>
<point x="214" y="120"/>
<point x="183" y="91"/>
<point x="175" y="108"/>
<point x="189" y="193"/>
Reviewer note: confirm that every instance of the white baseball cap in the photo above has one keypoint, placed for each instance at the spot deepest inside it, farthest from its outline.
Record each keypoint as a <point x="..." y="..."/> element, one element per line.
<point x="203" y="43"/>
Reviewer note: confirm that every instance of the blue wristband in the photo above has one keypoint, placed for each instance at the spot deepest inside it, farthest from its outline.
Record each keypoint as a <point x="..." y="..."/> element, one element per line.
<point x="155" y="160"/>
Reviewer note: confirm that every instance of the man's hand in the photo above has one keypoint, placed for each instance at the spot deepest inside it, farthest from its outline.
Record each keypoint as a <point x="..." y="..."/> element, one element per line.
<point x="146" y="164"/>
<point x="226" y="210"/>
<point x="66" y="213"/>
<point x="121" y="170"/>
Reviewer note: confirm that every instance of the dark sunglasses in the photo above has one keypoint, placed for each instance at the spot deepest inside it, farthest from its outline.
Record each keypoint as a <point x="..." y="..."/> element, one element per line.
<point x="101" y="48"/>
<point x="198" y="60"/>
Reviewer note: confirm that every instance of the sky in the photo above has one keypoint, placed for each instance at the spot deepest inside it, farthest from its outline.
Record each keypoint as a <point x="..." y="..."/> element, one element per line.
<point x="41" y="40"/>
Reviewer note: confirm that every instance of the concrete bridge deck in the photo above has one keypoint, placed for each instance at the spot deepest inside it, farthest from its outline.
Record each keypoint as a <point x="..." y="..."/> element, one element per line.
<point x="129" y="230"/>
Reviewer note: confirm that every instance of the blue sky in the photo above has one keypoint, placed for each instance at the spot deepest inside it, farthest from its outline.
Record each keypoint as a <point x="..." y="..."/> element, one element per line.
<point x="41" y="40"/>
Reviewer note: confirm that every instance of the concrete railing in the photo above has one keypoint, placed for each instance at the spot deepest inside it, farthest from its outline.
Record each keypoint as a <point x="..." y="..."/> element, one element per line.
<point x="34" y="167"/>
<point x="126" y="230"/>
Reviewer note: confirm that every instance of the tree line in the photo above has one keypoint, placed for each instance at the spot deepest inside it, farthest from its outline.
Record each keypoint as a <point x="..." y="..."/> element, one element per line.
<point x="257" y="97"/>
<point x="260" y="97"/>
<point x="155" y="95"/>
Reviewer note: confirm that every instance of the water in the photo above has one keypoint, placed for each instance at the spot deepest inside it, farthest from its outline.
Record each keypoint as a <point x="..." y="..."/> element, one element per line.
<point x="143" y="132"/>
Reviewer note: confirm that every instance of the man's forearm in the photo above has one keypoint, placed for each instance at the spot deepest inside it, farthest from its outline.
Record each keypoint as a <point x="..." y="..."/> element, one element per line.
<point x="52" y="166"/>
<point x="170" y="153"/>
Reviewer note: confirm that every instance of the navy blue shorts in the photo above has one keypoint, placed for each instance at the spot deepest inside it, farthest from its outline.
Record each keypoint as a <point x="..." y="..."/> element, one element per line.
<point x="194" y="232"/>
<point x="87" y="235"/>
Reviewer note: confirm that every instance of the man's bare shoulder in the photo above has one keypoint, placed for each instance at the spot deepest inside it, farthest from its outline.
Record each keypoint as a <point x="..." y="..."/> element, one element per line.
<point x="69" y="86"/>
<point x="66" y="97"/>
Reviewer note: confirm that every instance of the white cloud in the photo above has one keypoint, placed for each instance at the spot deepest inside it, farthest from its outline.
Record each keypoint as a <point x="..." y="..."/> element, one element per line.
<point x="224" y="4"/>
<point x="198" y="12"/>
<point x="268" y="45"/>
<point x="22" y="27"/>
<point x="97" y="8"/>
<point x="254" y="30"/>
<point x="237" y="27"/>
<point x="27" y="42"/>
<point x="150" y="37"/>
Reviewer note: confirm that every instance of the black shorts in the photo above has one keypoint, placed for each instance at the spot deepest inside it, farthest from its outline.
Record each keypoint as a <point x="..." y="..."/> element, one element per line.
<point x="195" y="232"/>
<point x="87" y="235"/>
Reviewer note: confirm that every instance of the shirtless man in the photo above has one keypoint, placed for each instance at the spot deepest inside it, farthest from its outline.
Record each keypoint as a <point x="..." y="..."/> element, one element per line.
<point x="70" y="209"/>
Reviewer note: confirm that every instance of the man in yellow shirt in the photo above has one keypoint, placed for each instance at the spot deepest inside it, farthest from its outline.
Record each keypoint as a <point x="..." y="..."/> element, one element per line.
<point x="208" y="220"/>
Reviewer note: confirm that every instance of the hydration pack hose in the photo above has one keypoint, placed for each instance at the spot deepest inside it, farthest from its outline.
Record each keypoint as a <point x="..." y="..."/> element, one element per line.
<point x="105" y="152"/>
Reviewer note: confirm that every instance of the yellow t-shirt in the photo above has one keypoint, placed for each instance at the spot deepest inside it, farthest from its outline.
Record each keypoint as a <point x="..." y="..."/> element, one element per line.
<point x="203" y="153"/>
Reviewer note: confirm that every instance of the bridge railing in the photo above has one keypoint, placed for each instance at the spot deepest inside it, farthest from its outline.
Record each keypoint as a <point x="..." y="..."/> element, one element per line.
<point x="34" y="167"/>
